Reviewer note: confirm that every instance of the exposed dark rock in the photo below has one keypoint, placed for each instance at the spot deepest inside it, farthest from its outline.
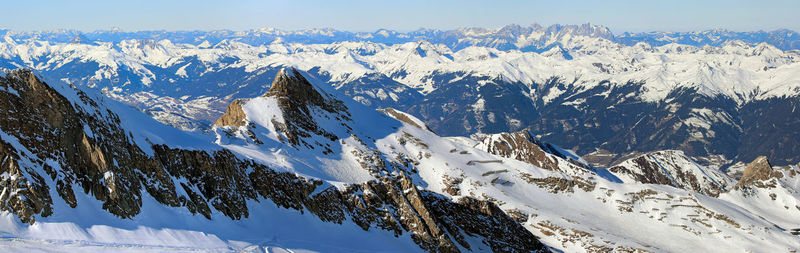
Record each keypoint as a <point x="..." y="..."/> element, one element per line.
<point x="234" y="116"/>
<point x="520" y="146"/>
<point x="650" y="171"/>
<point x="470" y="216"/>
<point x="670" y="168"/>
<point x="560" y="184"/>
<point x="756" y="172"/>
<point x="298" y="100"/>
<point x="109" y="166"/>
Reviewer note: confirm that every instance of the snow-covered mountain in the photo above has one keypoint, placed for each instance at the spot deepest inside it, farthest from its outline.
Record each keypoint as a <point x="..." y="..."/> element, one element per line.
<point x="87" y="172"/>
<point x="284" y="169"/>
<point x="782" y="38"/>
<point x="530" y="38"/>
<point x="525" y="38"/>
<point x="721" y="102"/>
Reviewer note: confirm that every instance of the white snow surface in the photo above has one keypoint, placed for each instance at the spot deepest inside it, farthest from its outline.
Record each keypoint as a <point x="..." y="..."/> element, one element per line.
<point x="561" y="220"/>
<point x="158" y="228"/>
<point x="736" y="69"/>
<point x="741" y="71"/>
<point x="609" y="212"/>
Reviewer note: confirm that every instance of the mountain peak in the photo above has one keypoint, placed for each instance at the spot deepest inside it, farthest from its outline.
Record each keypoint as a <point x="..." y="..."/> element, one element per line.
<point x="290" y="84"/>
<point x="299" y="104"/>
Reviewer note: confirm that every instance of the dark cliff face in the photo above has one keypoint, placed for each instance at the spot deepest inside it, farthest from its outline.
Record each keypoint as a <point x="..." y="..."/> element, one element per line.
<point x="293" y="86"/>
<point x="50" y="145"/>
<point x="234" y="116"/>
<point x="298" y="100"/>
<point x="51" y="142"/>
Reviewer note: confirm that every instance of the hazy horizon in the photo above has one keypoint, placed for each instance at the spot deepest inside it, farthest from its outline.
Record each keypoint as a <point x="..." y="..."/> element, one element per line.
<point x="350" y="15"/>
<point x="375" y="30"/>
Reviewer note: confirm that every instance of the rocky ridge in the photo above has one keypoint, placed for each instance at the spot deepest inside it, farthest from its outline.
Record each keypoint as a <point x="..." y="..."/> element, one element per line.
<point x="52" y="146"/>
<point x="401" y="178"/>
<point x="668" y="168"/>
<point x="672" y="167"/>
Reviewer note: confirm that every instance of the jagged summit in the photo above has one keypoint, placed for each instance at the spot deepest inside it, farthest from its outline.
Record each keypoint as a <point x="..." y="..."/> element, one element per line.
<point x="298" y="99"/>
<point x="68" y="161"/>
<point x="381" y="183"/>
<point x="299" y="107"/>
<point x="292" y="90"/>
<point x="285" y="81"/>
<point x="292" y="85"/>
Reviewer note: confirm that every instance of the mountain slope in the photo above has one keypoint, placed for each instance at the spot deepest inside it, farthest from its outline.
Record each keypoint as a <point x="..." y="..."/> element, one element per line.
<point x="586" y="199"/>
<point x="75" y="158"/>
<point x="715" y="103"/>
<point x="551" y="191"/>
<point x="303" y="155"/>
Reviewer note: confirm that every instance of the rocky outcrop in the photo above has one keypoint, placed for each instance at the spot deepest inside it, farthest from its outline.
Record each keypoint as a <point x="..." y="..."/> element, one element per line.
<point x="74" y="143"/>
<point x="756" y="172"/>
<point x="80" y="145"/>
<point x="518" y="146"/>
<point x="476" y="217"/>
<point x="674" y="168"/>
<point x="301" y="105"/>
<point x="299" y="100"/>
<point x="234" y="116"/>
<point x="20" y="195"/>
<point x="524" y="147"/>
<point x="403" y="117"/>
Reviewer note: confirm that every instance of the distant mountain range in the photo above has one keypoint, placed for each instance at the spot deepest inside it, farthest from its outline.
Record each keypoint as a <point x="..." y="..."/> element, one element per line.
<point x="606" y="97"/>
<point x="533" y="38"/>
<point x="518" y="139"/>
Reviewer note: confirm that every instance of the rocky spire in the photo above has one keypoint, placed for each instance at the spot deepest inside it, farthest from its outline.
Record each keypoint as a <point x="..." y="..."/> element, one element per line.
<point x="290" y="84"/>
<point x="291" y="89"/>
<point x="295" y="97"/>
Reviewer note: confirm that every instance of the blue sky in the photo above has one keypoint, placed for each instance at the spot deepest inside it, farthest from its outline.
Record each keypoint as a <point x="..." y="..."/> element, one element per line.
<point x="365" y="15"/>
